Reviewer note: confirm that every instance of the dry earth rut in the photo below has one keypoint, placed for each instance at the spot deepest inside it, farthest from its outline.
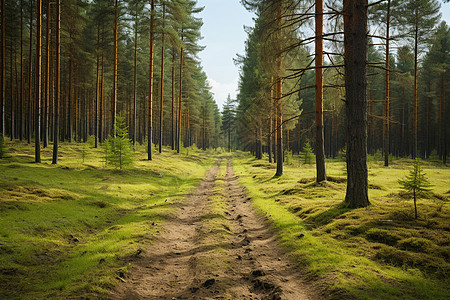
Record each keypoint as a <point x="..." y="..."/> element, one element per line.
<point x="181" y="263"/>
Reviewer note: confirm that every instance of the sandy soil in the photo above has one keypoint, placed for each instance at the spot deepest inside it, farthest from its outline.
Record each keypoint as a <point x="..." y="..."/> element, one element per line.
<point x="189" y="260"/>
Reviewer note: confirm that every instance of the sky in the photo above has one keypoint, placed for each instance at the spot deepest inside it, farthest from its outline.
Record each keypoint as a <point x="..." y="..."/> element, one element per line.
<point x="224" y="37"/>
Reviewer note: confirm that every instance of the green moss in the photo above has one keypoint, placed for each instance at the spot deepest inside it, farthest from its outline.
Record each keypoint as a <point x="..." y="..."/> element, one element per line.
<point x="384" y="236"/>
<point x="347" y="252"/>
<point x="66" y="229"/>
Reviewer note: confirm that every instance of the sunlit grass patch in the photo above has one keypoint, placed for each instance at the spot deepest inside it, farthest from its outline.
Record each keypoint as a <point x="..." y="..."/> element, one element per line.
<point x="67" y="230"/>
<point x="379" y="252"/>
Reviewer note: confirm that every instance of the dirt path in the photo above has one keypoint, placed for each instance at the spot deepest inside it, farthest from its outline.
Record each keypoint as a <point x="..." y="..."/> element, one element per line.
<point x="192" y="259"/>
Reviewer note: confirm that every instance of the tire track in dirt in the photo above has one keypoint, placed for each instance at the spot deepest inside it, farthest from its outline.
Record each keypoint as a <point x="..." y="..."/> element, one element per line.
<point x="193" y="259"/>
<point x="259" y="260"/>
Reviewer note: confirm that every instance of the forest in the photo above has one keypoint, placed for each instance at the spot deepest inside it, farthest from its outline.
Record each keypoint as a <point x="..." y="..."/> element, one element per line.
<point x="325" y="177"/>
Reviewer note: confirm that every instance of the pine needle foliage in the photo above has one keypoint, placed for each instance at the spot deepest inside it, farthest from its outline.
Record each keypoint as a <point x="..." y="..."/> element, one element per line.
<point x="307" y="154"/>
<point x="416" y="184"/>
<point x="119" y="148"/>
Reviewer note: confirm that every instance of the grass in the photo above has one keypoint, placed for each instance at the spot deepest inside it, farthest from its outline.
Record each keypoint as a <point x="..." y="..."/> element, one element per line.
<point x="68" y="230"/>
<point x="379" y="252"/>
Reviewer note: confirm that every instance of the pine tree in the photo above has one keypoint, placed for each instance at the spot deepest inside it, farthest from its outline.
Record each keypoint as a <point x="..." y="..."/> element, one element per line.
<point x="355" y="44"/>
<point x="37" y="131"/>
<point x="419" y="17"/>
<point x="307" y="154"/>
<point x="228" y="118"/>
<point x="120" y="148"/>
<point x="319" y="146"/>
<point x="57" y="80"/>
<point x="416" y="184"/>
<point x="2" y="76"/>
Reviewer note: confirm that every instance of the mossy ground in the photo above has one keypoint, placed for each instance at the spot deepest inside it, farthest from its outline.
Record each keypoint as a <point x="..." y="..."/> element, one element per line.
<point x="69" y="230"/>
<point x="378" y="252"/>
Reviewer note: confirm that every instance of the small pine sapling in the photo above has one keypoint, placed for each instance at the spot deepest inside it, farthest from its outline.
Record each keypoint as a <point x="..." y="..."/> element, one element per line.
<point x="121" y="152"/>
<point x="416" y="184"/>
<point x="307" y="153"/>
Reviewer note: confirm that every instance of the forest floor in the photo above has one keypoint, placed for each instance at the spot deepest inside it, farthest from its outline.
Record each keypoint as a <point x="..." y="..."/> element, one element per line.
<point x="186" y="227"/>
<point x="215" y="246"/>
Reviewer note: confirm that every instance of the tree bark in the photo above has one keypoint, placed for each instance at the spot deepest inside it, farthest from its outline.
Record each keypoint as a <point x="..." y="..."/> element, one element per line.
<point x="135" y="80"/>
<point x="37" y="132"/>
<point x="58" y="83"/>
<point x="3" y="79"/>
<point x="320" y="150"/>
<point x="11" y="87"/>
<point x="278" y="99"/>
<point x="172" y="125"/>
<point x="114" y="90"/>
<point x="414" y="154"/>
<point x="30" y="85"/>
<point x="386" y="91"/>
<point x="150" y="84"/>
<point x="101" y="128"/>
<point x="179" y="102"/>
<point x="444" y="141"/>
<point x="47" y="79"/>
<point x="161" y="111"/>
<point x="355" y="47"/>
<point x="21" y="101"/>
<point x="97" y="88"/>
<point x="269" y="138"/>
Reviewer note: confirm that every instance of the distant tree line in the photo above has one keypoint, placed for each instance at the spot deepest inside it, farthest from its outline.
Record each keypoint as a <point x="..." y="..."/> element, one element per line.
<point x="133" y="58"/>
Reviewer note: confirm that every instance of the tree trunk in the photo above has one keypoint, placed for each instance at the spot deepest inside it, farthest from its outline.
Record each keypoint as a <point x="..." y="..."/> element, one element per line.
<point x="150" y="84"/>
<point x="275" y="123"/>
<point x="58" y="82"/>
<point x="428" y="127"/>
<point x="179" y="102"/>
<point x="443" y="141"/>
<point x="37" y="132"/>
<point x="278" y="124"/>
<point x="172" y="125"/>
<point x="47" y="79"/>
<point x="162" y="81"/>
<point x="135" y="81"/>
<point x="70" y="99"/>
<point x="355" y="47"/>
<point x="414" y="154"/>
<point x="386" y="92"/>
<point x="403" y="122"/>
<point x="101" y="128"/>
<point x="269" y="138"/>
<point x="3" y="78"/>
<point x="278" y="96"/>
<point x="260" y="148"/>
<point x="12" y="90"/>
<point x="97" y="88"/>
<point x="320" y="151"/>
<point x="114" y="90"/>
<point x="21" y="101"/>
<point x="30" y="65"/>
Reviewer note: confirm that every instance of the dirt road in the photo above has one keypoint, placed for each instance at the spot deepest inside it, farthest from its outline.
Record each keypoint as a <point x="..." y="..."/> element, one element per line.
<point x="201" y="254"/>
